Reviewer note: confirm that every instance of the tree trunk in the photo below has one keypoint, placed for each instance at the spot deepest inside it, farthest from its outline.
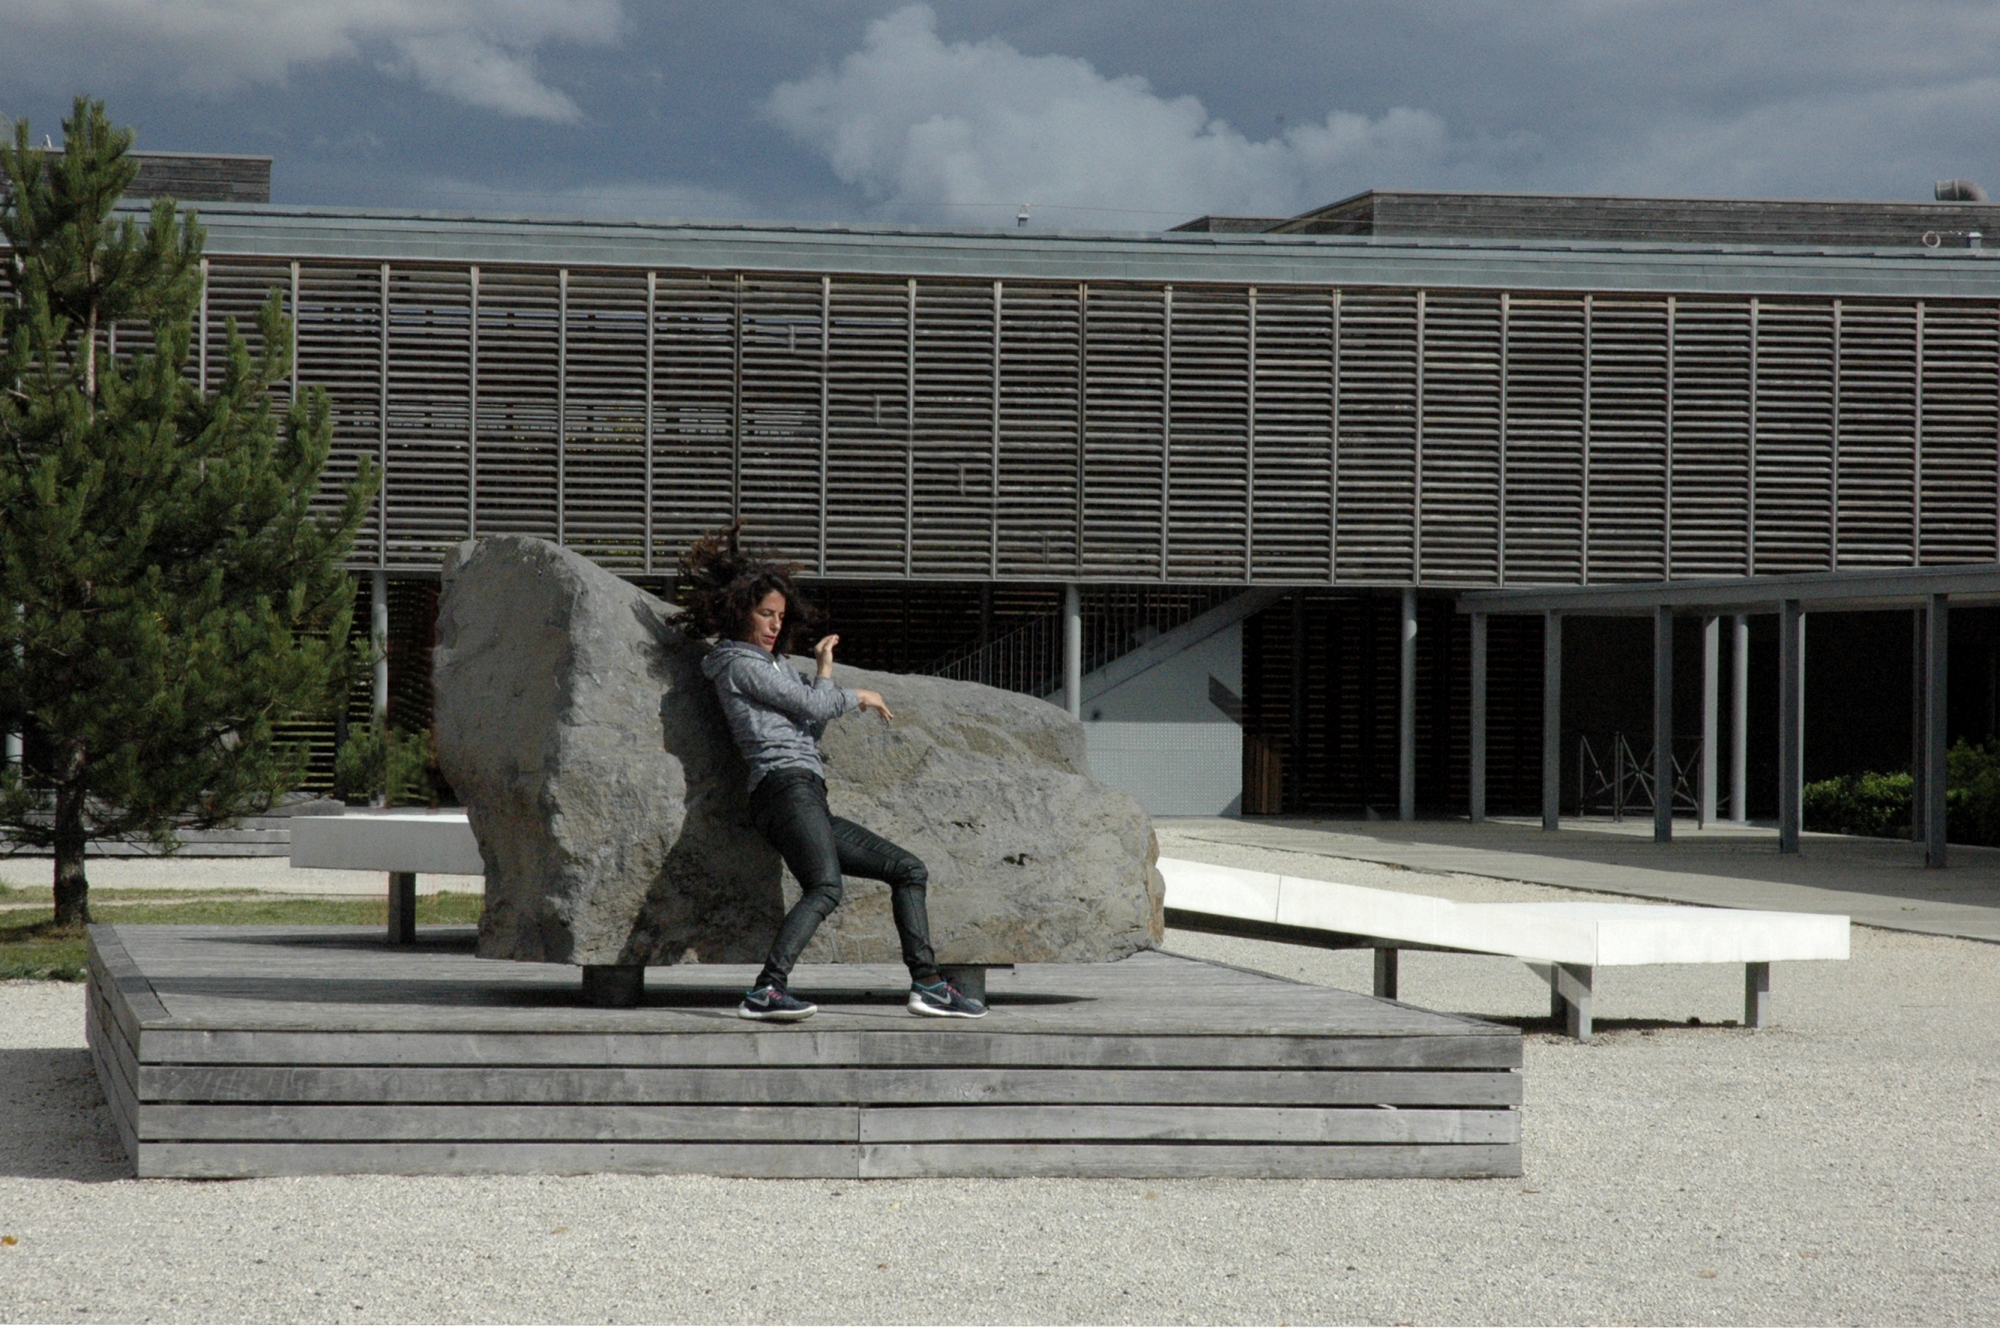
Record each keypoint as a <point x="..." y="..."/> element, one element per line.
<point x="72" y="888"/>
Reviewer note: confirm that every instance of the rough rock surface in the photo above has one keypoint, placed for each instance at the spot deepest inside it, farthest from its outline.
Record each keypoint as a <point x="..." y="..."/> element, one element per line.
<point x="607" y="796"/>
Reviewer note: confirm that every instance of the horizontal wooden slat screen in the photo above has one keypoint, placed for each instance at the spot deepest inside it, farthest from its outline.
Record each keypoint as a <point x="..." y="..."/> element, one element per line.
<point x="878" y="428"/>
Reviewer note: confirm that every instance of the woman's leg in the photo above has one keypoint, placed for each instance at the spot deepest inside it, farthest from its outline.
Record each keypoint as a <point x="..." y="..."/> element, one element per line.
<point x="865" y="853"/>
<point x="789" y="810"/>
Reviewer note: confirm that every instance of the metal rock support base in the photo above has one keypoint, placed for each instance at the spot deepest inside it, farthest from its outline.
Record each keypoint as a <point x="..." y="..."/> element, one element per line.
<point x="614" y="986"/>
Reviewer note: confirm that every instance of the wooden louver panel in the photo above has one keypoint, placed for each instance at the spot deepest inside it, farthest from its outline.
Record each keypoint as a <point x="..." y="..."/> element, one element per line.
<point x="1627" y="480"/>
<point x="1378" y="436"/>
<point x="428" y="481"/>
<point x="1291" y="534"/>
<point x="869" y="429"/>
<point x="1878" y="425"/>
<point x="519" y="465"/>
<point x="694" y="409"/>
<point x="1461" y="433"/>
<point x="1961" y="359"/>
<point x="340" y="350"/>
<point x="1212" y="449"/>
<point x="604" y="418"/>
<point x="1545" y="440"/>
<point x="1795" y="427"/>
<point x="953" y="441"/>
<point x="1124" y="386"/>
<point x="1711" y="425"/>
<point x="236" y="292"/>
<point x="889" y="428"/>
<point x="783" y="345"/>
<point x="1040" y="346"/>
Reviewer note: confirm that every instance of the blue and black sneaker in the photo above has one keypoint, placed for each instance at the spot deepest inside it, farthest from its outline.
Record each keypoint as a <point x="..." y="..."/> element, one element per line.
<point x="775" y="1004"/>
<point x="944" y="1001"/>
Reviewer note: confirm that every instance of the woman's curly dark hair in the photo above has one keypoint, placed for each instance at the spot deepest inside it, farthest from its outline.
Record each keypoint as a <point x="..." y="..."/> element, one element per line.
<point x="721" y="580"/>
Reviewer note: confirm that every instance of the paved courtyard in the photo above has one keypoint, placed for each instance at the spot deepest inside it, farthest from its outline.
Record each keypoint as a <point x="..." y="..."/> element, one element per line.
<point x="1840" y="1167"/>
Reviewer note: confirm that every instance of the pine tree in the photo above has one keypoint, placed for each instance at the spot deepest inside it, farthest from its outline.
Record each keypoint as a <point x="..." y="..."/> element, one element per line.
<point x="168" y="597"/>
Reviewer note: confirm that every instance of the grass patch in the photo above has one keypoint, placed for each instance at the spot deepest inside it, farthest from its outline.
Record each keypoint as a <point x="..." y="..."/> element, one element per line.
<point x="32" y="946"/>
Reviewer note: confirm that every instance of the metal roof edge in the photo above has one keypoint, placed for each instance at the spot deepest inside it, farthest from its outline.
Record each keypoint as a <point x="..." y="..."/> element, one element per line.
<point x="279" y="231"/>
<point x="1854" y="588"/>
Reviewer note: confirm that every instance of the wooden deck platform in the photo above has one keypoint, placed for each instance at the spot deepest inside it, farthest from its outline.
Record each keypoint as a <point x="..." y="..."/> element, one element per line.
<point x="256" y="1051"/>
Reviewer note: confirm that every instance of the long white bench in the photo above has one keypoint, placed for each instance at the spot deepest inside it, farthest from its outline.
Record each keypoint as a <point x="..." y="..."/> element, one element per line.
<point x="401" y="841"/>
<point x="1563" y="943"/>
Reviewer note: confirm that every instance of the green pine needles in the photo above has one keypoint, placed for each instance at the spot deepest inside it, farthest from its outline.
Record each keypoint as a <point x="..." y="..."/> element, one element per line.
<point x="168" y="595"/>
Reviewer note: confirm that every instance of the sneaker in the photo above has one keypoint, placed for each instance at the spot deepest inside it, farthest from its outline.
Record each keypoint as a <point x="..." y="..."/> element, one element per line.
<point x="944" y="1001"/>
<point x="775" y="1004"/>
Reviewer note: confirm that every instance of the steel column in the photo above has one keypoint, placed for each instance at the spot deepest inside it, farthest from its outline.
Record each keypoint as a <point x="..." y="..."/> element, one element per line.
<point x="1552" y="698"/>
<point x="1739" y="719"/>
<point x="1478" y="780"/>
<point x="1073" y="649"/>
<point x="378" y="645"/>
<point x="1937" y="633"/>
<point x="1663" y="725"/>
<point x="14" y="751"/>
<point x="1711" y="687"/>
<point x="1295" y="747"/>
<point x="1919" y="761"/>
<point x="1406" y="711"/>
<point x="1791" y="721"/>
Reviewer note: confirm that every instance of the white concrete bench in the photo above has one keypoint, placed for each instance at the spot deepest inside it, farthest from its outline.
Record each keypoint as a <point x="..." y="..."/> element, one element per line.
<point x="401" y="841"/>
<point x="1563" y="943"/>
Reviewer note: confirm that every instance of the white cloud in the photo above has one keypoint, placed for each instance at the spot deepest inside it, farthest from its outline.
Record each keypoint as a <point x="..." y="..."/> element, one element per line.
<point x="479" y="52"/>
<point x="929" y="129"/>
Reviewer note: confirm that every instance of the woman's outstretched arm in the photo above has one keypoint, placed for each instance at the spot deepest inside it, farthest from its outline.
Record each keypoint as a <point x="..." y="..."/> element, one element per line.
<point x="866" y="699"/>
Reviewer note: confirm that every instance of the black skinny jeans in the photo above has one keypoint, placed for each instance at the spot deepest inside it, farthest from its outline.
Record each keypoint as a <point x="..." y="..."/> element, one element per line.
<point x="788" y="807"/>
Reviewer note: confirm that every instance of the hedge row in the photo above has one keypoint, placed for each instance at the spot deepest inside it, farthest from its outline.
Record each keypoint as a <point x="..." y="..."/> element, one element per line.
<point x="1879" y="805"/>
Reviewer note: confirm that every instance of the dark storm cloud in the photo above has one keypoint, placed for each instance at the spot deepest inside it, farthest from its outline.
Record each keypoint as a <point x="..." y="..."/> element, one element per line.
<point x="1097" y="114"/>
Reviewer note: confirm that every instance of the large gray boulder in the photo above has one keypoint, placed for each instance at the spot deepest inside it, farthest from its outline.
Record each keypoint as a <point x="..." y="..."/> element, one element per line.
<point x="607" y="797"/>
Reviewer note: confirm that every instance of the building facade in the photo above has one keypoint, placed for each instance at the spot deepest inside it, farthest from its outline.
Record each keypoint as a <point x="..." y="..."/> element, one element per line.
<point x="962" y="433"/>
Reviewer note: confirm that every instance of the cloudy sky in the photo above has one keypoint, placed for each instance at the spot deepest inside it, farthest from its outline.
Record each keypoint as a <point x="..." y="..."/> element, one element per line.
<point x="1098" y="114"/>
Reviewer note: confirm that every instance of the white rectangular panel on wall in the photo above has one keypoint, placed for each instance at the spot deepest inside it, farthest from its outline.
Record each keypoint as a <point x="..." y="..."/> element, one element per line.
<point x="1172" y="769"/>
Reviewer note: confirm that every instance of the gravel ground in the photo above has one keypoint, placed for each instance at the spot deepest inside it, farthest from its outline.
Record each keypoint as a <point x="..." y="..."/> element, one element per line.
<point x="1840" y="1167"/>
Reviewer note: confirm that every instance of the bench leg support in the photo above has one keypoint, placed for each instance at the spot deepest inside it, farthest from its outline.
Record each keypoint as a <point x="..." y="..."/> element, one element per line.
<point x="1569" y="995"/>
<point x="402" y="908"/>
<point x="1573" y="984"/>
<point x="1756" y="995"/>
<point x="970" y="979"/>
<point x="1385" y="971"/>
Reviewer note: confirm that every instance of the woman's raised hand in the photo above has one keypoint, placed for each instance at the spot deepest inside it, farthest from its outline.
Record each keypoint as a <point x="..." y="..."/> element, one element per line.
<point x="823" y="652"/>
<point x="873" y="701"/>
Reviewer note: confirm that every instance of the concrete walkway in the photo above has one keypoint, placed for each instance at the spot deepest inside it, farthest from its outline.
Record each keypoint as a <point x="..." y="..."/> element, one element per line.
<point x="1877" y="882"/>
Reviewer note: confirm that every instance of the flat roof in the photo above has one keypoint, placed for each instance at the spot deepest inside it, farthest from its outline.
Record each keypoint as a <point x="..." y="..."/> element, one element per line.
<point x="1185" y="257"/>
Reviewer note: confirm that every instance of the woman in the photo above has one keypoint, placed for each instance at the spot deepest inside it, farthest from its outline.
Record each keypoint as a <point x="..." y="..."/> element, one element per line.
<point x="750" y="604"/>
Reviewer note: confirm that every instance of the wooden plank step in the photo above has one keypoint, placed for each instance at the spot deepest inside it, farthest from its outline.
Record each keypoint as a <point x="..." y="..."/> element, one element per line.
<point x="914" y="1049"/>
<point x="1165" y="1161"/>
<point x="907" y="1087"/>
<point x="1242" y="1124"/>
<point x="763" y="1160"/>
<point x="389" y="1122"/>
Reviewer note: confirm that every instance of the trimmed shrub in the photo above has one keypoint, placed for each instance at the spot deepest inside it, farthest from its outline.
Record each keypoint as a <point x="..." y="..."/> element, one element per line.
<point x="1878" y="805"/>
<point x="1871" y="804"/>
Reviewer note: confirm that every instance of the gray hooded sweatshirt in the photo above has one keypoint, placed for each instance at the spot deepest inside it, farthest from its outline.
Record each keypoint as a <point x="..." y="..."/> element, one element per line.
<point x="775" y="715"/>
